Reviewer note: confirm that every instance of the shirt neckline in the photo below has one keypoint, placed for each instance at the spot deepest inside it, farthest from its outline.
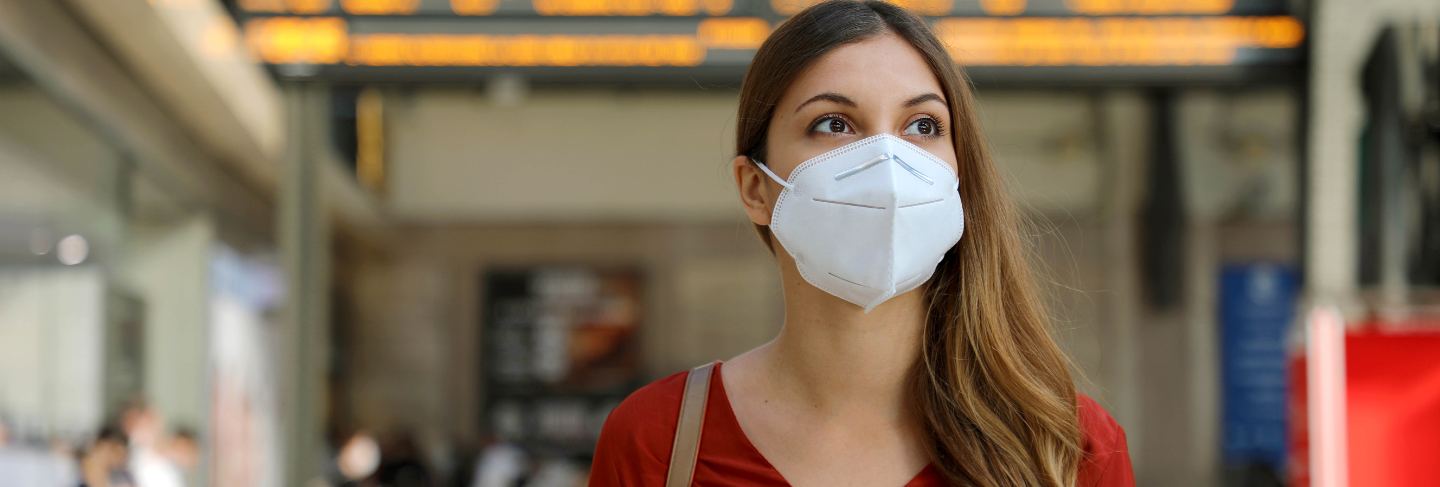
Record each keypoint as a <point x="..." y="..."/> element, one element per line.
<point x="727" y="416"/>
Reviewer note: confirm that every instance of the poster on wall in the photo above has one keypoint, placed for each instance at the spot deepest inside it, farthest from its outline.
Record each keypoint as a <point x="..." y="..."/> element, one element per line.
<point x="561" y="350"/>
<point x="1257" y="308"/>
<point x="243" y="379"/>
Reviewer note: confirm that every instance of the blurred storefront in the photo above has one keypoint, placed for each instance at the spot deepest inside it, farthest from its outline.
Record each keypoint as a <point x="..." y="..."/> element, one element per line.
<point x="71" y="347"/>
<point x="139" y="269"/>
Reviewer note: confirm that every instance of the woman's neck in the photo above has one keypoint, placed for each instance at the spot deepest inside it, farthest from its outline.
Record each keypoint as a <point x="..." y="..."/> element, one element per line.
<point x="834" y="357"/>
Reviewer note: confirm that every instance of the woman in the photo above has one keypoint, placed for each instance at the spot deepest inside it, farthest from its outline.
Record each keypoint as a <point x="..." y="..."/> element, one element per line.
<point x="909" y="355"/>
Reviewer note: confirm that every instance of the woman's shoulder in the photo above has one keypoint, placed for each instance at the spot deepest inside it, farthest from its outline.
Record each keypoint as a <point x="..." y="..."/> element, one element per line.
<point x="634" y="445"/>
<point x="1107" y="454"/>
<point x="1100" y="429"/>
<point x="654" y="408"/>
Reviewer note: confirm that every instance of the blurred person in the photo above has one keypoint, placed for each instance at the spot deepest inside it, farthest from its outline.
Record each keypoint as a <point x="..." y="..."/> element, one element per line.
<point x="149" y="463"/>
<point x="500" y="464"/>
<point x="401" y="463"/>
<point x="908" y="355"/>
<point x="558" y="472"/>
<point x="358" y="459"/>
<point x="142" y="423"/>
<point x="106" y="462"/>
<point x="20" y="465"/>
<point x="182" y="449"/>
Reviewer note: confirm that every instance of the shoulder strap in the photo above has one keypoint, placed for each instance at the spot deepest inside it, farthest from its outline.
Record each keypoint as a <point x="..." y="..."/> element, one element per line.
<point x="687" y="431"/>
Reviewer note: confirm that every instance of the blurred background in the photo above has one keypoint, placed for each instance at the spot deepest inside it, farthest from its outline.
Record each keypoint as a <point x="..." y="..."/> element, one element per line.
<point x="434" y="242"/>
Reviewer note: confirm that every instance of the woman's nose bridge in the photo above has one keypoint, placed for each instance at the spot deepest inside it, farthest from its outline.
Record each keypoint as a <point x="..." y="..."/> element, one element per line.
<point x="879" y="122"/>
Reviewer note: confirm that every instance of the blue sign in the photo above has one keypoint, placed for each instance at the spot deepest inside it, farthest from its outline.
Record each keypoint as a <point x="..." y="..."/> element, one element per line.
<point x="1257" y="307"/>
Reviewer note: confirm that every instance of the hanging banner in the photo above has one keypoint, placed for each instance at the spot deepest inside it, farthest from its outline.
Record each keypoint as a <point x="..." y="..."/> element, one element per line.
<point x="1257" y="308"/>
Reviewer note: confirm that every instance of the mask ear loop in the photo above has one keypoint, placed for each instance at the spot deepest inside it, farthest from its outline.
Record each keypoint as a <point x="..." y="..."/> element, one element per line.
<point x="772" y="175"/>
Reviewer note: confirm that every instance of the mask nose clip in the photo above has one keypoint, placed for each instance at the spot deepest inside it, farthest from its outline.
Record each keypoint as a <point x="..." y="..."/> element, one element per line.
<point x="915" y="172"/>
<point x="863" y="166"/>
<point x="887" y="156"/>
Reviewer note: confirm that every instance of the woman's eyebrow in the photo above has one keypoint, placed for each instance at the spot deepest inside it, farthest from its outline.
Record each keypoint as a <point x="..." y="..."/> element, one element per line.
<point x="828" y="96"/>
<point x="922" y="99"/>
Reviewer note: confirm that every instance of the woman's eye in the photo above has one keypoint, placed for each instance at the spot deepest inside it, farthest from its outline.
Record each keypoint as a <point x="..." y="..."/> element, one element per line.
<point x="831" y="125"/>
<point x="923" y="127"/>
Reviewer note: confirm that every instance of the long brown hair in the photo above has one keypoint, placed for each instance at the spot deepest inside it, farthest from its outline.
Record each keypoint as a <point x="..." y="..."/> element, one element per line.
<point x="992" y="388"/>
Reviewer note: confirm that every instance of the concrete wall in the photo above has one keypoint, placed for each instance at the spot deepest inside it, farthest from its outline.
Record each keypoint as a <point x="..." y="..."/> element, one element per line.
<point x="57" y="177"/>
<point x="456" y="155"/>
<point x="57" y="172"/>
<point x="42" y="130"/>
<point x="1239" y="158"/>
<point x="572" y="155"/>
<point x="61" y="176"/>
<point x="167" y="267"/>
<point x="51" y="337"/>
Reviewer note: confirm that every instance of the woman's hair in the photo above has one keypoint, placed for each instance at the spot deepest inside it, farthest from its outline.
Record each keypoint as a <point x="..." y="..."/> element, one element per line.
<point x="992" y="389"/>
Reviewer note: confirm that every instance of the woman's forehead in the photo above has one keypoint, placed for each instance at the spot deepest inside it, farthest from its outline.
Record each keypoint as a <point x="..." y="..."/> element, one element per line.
<point x="880" y="71"/>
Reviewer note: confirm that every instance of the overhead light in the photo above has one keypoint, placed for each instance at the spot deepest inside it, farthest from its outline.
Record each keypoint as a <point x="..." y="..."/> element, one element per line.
<point x="72" y="250"/>
<point x="39" y="242"/>
<point x="359" y="457"/>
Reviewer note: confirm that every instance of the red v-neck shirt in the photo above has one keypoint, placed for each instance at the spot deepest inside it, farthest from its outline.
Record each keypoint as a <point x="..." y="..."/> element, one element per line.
<point x="634" y="447"/>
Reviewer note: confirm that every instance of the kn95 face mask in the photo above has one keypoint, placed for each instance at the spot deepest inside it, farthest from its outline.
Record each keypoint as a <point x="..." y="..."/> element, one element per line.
<point x="870" y="220"/>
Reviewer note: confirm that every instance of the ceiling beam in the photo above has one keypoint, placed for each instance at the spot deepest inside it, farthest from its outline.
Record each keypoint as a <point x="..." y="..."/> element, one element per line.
<point x="47" y="42"/>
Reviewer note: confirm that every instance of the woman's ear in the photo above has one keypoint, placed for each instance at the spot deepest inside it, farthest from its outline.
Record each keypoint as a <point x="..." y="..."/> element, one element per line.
<point x="755" y="194"/>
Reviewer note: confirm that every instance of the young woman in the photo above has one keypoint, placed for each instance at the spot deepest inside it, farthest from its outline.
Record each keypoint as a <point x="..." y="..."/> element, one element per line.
<point x="914" y="349"/>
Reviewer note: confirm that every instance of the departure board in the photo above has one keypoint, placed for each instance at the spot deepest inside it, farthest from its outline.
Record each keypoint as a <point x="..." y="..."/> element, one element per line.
<point x="418" y="40"/>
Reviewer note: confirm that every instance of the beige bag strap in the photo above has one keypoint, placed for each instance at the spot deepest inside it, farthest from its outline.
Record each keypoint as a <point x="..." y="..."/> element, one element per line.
<point x="687" y="431"/>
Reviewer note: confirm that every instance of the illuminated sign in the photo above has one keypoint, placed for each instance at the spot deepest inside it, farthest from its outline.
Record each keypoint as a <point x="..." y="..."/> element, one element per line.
<point x="424" y="39"/>
<point x="763" y="8"/>
<point x="324" y="40"/>
<point x="1114" y="41"/>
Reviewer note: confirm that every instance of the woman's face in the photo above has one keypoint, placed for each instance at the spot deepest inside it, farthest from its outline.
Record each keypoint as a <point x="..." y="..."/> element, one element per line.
<point x="881" y="85"/>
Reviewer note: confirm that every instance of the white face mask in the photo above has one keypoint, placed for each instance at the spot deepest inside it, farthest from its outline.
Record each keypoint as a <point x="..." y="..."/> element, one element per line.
<point x="870" y="220"/>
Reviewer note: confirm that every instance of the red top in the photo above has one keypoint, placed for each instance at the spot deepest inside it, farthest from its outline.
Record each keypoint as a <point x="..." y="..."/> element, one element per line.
<point x="634" y="448"/>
